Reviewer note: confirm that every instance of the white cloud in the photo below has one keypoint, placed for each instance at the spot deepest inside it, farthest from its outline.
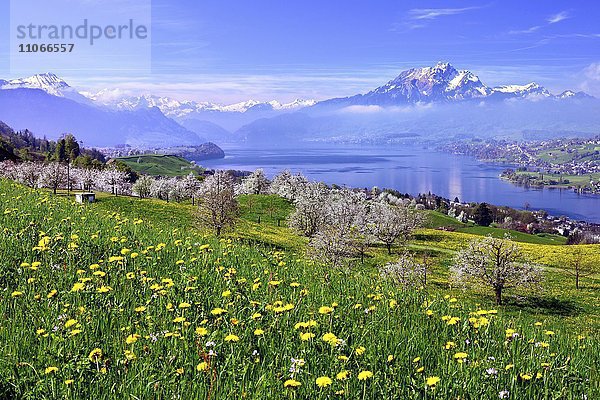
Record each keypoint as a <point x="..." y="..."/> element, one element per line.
<point x="591" y="79"/>
<point x="372" y="109"/>
<point x="432" y="13"/>
<point x="525" y="31"/>
<point x="362" y="109"/>
<point x="553" y="19"/>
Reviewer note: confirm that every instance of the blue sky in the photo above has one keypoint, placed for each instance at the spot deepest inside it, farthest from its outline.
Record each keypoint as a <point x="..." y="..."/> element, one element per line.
<point x="227" y="51"/>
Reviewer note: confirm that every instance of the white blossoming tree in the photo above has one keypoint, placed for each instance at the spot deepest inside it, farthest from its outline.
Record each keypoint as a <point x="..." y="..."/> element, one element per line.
<point x="310" y="214"/>
<point x="255" y="183"/>
<point x="394" y="223"/>
<point x="114" y="179"/>
<point x="143" y="186"/>
<point x="287" y="185"/>
<point x="190" y="186"/>
<point x="85" y="178"/>
<point x="29" y="173"/>
<point x="336" y="238"/>
<point x="161" y="188"/>
<point x="218" y="205"/>
<point x="494" y="263"/>
<point x="54" y="176"/>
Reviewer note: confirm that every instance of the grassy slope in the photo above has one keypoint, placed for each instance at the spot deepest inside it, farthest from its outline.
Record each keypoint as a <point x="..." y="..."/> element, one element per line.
<point x="163" y="165"/>
<point x="439" y="220"/>
<point x="557" y="301"/>
<point x="574" y="180"/>
<point x="403" y="331"/>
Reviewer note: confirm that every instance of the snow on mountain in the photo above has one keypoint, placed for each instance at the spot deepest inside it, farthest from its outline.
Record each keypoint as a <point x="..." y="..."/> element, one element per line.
<point x="241" y="107"/>
<point x="47" y="82"/>
<point x="569" y="94"/>
<point x="441" y="82"/>
<point x="180" y="109"/>
<point x="524" y="91"/>
<point x="298" y="103"/>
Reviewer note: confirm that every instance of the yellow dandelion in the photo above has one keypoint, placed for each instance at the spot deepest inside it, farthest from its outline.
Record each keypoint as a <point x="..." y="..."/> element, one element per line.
<point x="50" y="370"/>
<point x="203" y="366"/>
<point x="323" y="381"/>
<point x="232" y="338"/>
<point x="131" y="339"/>
<point x="431" y="381"/>
<point x="342" y="375"/>
<point x="218" y="311"/>
<point x="78" y="287"/>
<point x="201" y="331"/>
<point x="525" y="377"/>
<point x="364" y="375"/>
<point x="330" y="338"/>
<point x="325" y="310"/>
<point x="306" y="336"/>
<point x="291" y="383"/>
<point x="95" y="355"/>
<point x="70" y="323"/>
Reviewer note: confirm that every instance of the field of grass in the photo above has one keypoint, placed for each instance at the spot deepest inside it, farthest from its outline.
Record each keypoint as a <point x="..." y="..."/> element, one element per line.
<point x="564" y="181"/>
<point x="542" y="238"/>
<point x="156" y="164"/>
<point x="562" y="156"/>
<point x="127" y="298"/>
<point x="438" y="220"/>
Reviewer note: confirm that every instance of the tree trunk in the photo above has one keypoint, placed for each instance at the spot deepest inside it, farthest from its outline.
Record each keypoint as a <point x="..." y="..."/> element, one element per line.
<point x="577" y="280"/>
<point x="389" y="247"/>
<point x="498" y="296"/>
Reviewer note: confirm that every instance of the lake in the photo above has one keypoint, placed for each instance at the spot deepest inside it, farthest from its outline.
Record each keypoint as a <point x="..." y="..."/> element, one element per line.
<point x="411" y="170"/>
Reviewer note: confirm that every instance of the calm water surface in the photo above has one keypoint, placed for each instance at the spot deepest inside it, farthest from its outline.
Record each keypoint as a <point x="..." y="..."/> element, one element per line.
<point x="410" y="170"/>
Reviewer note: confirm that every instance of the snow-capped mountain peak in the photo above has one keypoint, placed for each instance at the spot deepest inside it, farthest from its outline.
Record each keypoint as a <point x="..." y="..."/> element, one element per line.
<point x="523" y="90"/>
<point x="442" y="82"/>
<point x="48" y="82"/>
<point x="570" y="94"/>
<point x="119" y="99"/>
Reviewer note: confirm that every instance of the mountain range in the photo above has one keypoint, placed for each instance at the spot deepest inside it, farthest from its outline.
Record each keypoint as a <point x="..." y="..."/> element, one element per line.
<point x="444" y="83"/>
<point x="436" y="101"/>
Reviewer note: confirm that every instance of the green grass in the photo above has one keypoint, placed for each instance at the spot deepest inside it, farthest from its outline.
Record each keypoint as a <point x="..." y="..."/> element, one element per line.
<point x="156" y="164"/>
<point x="180" y="271"/>
<point x="436" y="220"/>
<point x="543" y="238"/>
<point x="567" y="180"/>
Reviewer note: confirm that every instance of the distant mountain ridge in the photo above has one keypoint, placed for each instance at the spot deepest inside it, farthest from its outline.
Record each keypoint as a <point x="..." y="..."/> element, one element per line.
<point x="444" y="83"/>
<point x="180" y="109"/>
<point x="456" y="101"/>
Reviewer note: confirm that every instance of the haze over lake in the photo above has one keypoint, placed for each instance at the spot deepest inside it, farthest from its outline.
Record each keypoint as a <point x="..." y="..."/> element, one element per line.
<point x="410" y="169"/>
